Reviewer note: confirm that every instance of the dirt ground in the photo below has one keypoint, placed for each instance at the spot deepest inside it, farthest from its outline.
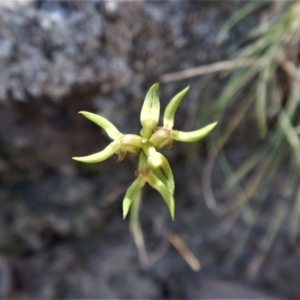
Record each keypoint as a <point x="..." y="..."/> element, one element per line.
<point x="62" y="235"/>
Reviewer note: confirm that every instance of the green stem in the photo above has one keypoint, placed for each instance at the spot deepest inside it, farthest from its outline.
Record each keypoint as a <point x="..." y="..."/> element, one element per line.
<point x="136" y="229"/>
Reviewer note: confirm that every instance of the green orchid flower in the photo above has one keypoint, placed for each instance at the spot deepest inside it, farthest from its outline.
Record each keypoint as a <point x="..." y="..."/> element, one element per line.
<point x="153" y="167"/>
<point x="122" y="143"/>
<point x="165" y="135"/>
<point x="147" y="174"/>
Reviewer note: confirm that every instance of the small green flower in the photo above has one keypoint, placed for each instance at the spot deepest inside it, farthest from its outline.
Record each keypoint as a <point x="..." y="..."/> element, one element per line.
<point x="147" y="174"/>
<point x="122" y="143"/>
<point x="165" y="135"/>
<point x="153" y="167"/>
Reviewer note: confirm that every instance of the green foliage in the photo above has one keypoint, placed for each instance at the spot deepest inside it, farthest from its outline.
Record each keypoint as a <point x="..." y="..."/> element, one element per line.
<point x="153" y="167"/>
<point x="272" y="50"/>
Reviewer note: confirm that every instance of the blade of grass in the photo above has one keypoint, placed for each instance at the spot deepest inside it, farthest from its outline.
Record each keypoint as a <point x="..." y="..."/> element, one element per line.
<point x="247" y="166"/>
<point x="239" y="15"/>
<point x="215" y="148"/>
<point x="237" y="190"/>
<point x="262" y="175"/>
<point x="237" y="249"/>
<point x="261" y="105"/>
<point x="236" y="85"/>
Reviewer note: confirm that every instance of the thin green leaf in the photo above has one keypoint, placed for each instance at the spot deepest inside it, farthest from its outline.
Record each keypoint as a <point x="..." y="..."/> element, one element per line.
<point x="235" y="86"/>
<point x="261" y="105"/>
<point x="240" y="14"/>
<point x="247" y="166"/>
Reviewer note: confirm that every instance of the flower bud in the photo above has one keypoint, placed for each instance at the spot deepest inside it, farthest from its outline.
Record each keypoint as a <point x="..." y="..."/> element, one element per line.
<point x="131" y="142"/>
<point x="160" y="138"/>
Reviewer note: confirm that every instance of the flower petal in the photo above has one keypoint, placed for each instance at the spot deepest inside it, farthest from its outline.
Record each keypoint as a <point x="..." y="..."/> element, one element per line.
<point x="192" y="136"/>
<point x="172" y="107"/>
<point x="162" y="189"/>
<point x="110" y="129"/>
<point x="150" y="111"/>
<point x="131" y="194"/>
<point x="159" y="165"/>
<point x="100" y="156"/>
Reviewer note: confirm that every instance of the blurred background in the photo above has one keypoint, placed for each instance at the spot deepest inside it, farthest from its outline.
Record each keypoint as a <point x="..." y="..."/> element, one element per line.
<point x="237" y="191"/>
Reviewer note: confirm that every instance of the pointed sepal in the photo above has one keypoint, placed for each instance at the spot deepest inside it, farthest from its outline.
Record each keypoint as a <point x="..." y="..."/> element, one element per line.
<point x="110" y="129"/>
<point x="100" y="156"/>
<point x="150" y="111"/>
<point x="170" y="111"/>
<point x="192" y="136"/>
<point x="131" y="194"/>
<point x="162" y="189"/>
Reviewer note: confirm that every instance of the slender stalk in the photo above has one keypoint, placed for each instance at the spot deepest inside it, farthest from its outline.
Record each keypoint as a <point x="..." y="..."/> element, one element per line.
<point x="136" y="230"/>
